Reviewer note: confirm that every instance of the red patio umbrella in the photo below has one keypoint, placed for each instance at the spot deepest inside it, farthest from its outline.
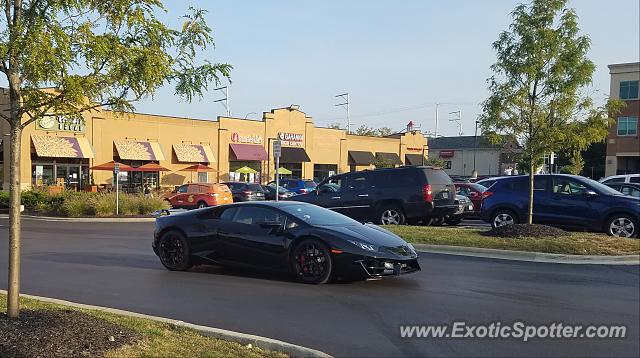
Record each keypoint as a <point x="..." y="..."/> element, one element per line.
<point x="111" y="165"/>
<point x="151" y="167"/>
<point x="198" y="168"/>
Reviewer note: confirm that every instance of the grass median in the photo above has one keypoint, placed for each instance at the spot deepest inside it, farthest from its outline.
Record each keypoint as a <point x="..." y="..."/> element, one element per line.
<point x="145" y="338"/>
<point x="577" y="243"/>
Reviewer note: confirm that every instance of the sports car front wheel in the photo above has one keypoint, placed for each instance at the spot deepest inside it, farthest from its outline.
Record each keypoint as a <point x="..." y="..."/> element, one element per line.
<point x="173" y="251"/>
<point x="311" y="262"/>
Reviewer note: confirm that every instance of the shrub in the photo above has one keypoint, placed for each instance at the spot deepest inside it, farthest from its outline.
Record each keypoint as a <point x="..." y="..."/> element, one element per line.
<point x="104" y="204"/>
<point x="76" y="205"/>
<point x="4" y="199"/>
<point x="34" y="198"/>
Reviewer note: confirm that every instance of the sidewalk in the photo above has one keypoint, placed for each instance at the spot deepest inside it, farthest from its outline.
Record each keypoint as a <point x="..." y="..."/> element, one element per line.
<point x="529" y="256"/>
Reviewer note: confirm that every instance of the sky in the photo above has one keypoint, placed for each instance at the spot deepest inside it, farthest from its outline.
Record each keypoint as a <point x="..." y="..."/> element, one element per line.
<point x="396" y="59"/>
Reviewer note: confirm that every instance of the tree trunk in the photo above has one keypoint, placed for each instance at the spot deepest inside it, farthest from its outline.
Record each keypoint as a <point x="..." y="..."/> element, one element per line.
<point x="531" y="174"/>
<point x="13" y="306"/>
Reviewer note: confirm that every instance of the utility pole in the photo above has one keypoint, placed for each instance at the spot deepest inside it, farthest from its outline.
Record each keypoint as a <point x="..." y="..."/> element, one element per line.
<point x="346" y="105"/>
<point x="225" y="101"/>
<point x="435" y="135"/>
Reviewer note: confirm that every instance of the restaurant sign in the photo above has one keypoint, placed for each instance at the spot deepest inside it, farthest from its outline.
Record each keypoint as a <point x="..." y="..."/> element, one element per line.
<point x="250" y="139"/>
<point x="61" y="123"/>
<point x="415" y="149"/>
<point x="291" y="139"/>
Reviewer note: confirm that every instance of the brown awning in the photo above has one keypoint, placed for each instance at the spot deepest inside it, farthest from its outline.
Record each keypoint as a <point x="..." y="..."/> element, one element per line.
<point x="294" y="155"/>
<point x="194" y="153"/>
<point x="248" y="152"/>
<point x="139" y="150"/>
<point x="392" y="158"/>
<point x="62" y="147"/>
<point x="361" y="158"/>
<point x="415" y="159"/>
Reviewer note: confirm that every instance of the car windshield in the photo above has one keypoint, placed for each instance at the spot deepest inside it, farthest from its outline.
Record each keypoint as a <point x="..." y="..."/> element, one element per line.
<point x="601" y="187"/>
<point x="280" y="188"/>
<point x="316" y="215"/>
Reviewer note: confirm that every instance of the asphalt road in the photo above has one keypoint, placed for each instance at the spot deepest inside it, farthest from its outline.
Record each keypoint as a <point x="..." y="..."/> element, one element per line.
<point x="113" y="265"/>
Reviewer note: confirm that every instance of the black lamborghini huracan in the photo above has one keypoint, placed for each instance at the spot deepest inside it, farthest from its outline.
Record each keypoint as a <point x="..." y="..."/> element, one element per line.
<point x="315" y="244"/>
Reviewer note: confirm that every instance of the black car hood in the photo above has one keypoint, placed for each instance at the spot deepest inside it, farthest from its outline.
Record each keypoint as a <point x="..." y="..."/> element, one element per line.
<point x="368" y="233"/>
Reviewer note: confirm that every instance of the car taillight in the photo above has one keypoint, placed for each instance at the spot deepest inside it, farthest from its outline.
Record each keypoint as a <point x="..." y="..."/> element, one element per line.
<point x="214" y="194"/>
<point x="486" y="194"/>
<point x="247" y="192"/>
<point x="426" y="193"/>
<point x="303" y="191"/>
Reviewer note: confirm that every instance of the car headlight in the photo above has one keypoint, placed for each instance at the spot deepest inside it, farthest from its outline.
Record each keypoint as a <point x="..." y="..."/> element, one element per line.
<point x="364" y="246"/>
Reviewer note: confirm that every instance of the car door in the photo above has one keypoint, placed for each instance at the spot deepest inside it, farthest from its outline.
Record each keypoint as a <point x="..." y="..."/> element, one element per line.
<point x="205" y="236"/>
<point x="569" y="205"/>
<point x="252" y="239"/>
<point x="177" y="201"/>
<point x="329" y="194"/>
<point x="357" y="196"/>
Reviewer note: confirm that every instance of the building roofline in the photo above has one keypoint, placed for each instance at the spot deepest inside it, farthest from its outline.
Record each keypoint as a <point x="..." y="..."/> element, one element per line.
<point x="162" y="116"/>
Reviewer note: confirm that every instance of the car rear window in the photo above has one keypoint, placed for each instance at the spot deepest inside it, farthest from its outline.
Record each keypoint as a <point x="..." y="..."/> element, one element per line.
<point x="235" y="186"/>
<point x="255" y="187"/>
<point x="634" y="179"/>
<point x="396" y="178"/>
<point x="310" y="184"/>
<point x="478" y="187"/>
<point x="437" y="177"/>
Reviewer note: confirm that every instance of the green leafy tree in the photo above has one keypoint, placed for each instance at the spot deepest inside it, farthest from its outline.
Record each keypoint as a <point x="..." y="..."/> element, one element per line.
<point x="434" y="162"/>
<point x="90" y="53"/>
<point x="334" y="125"/>
<point x="384" y="131"/>
<point x="537" y="92"/>
<point x="374" y="132"/>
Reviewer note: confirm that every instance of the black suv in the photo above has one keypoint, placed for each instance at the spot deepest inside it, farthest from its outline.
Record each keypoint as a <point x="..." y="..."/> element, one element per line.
<point x="387" y="196"/>
<point x="245" y="191"/>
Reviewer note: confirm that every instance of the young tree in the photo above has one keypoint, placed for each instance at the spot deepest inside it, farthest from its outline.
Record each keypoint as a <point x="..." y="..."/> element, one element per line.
<point x="537" y="92"/>
<point x="91" y="53"/>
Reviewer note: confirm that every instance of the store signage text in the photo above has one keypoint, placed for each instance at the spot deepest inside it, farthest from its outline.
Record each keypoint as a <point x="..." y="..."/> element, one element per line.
<point x="447" y="153"/>
<point x="291" y="139"/>
<point x="61" y="123"/>
<point x="414" y="149"/>
<point x="253" y="139"/>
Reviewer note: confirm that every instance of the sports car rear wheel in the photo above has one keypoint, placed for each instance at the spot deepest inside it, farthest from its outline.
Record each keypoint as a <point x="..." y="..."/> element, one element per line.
<point x="311" y="262"/>
<point x="173" y="251"/>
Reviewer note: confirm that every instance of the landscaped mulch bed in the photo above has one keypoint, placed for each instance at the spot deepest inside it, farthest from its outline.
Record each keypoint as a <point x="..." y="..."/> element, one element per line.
<point x="60" y="333"/>
<point x="526" y="230"/>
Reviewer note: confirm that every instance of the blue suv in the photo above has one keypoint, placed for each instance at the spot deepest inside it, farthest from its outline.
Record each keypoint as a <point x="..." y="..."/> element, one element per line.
<point x="298" y="186"/>
<point x="562" y="200"/>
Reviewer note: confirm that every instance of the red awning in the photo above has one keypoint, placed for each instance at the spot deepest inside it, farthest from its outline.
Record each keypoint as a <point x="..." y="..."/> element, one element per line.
<point x="248" y="152"/>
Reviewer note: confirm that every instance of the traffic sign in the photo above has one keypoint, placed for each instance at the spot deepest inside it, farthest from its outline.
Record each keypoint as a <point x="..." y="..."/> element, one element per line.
<point x="277" y="149"/>
<point x="116" y="168"/>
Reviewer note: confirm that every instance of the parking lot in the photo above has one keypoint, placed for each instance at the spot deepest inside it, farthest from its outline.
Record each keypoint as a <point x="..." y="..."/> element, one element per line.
<point x="113" y="265"/>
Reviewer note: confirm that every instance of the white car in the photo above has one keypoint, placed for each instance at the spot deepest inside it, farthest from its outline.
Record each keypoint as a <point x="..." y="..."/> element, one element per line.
<point x="627" y="178"/>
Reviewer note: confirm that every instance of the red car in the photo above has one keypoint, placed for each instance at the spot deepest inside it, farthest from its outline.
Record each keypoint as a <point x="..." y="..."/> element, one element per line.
<point x="474" y="192"/>
<point x="199" y="195"/>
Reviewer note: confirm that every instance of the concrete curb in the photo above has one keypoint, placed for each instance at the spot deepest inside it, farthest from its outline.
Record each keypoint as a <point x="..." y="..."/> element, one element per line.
<point x="242" y="338"/>
<point x="84" y="220"/>
<point x="529" y="256"/>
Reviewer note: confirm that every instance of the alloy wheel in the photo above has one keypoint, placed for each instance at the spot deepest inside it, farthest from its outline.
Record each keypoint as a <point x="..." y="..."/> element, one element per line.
<point x="390" y="217"/>
<point x="171" y="251"/>
<point x="310" y="262"/>
<point x="503" y="219"/>
<point x="622" y="227"/>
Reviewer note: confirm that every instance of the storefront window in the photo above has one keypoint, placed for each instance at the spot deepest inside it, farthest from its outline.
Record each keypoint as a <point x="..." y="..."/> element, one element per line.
<point x="296" y="170"/>
<point x="70" y="173"/>
<point x="323" y="171"/>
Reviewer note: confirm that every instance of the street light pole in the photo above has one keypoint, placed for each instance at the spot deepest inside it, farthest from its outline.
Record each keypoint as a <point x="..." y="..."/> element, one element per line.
<point x="475" y="149"/>
<point x="347" y="105"/>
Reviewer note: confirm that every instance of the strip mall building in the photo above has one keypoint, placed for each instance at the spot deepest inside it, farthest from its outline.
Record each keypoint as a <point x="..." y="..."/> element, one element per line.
<point x="60" y="151"/>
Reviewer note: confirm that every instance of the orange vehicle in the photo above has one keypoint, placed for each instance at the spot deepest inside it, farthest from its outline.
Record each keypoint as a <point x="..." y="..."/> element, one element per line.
<point x="199" y="195"/>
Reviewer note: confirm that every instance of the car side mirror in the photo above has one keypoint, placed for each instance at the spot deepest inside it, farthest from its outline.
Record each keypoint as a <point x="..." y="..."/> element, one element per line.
<point x="590" y="194"/>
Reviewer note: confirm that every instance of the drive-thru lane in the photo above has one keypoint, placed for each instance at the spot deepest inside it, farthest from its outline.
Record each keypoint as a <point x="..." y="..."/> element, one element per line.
<point x="111" y="264"/>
